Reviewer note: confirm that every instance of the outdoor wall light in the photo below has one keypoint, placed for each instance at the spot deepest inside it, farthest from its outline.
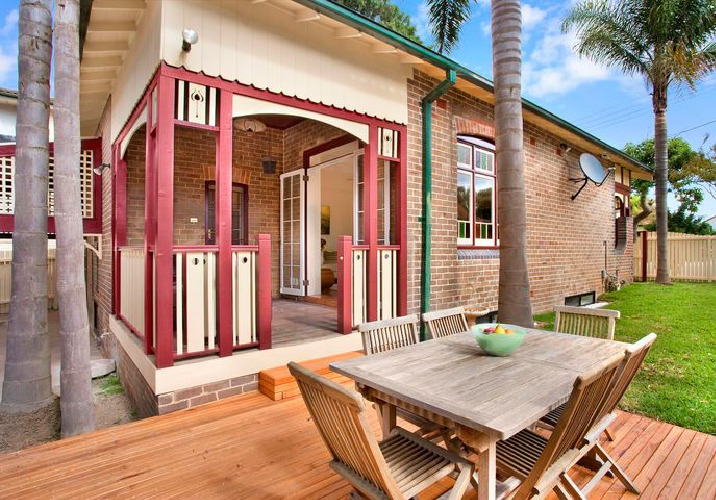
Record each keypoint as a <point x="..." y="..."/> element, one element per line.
<point x="101" y="168"/>
<point x="565" y="147"/>
<point x="268" y="164"/>
<point x="189" y="37"/>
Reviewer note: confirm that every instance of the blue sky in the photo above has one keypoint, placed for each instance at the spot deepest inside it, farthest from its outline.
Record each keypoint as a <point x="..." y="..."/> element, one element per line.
<point x="615" y="108"/>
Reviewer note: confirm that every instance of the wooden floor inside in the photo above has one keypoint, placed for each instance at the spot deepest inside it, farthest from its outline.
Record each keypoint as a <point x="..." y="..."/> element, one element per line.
<point x="250" y="447"/>
<point x="298" y="322"/>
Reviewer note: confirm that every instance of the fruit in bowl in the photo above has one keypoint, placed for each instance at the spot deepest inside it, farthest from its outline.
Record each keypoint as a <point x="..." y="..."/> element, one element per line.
<point x="498" y="339"/>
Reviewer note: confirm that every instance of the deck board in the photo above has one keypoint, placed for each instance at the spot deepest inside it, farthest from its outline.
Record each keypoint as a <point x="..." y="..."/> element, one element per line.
<point x="248" y="447"/>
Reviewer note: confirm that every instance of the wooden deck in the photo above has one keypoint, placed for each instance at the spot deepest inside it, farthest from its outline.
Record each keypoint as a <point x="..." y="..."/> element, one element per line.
<point x="250" y="447"/>
<point x="297" y="322"/>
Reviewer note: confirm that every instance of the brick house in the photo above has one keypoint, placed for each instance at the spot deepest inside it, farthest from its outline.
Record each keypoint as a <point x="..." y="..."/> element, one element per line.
<point x="266" y="183"/>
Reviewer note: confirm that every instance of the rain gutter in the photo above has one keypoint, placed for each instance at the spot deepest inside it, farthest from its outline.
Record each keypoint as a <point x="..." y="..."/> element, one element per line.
<point x="427" y="102"/>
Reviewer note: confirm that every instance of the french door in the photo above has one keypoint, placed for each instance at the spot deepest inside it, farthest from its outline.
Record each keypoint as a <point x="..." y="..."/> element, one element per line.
<point x="293" y="237"/>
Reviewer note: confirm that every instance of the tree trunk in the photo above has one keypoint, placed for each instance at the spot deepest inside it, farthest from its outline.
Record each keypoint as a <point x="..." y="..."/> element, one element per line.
<point x="661" y="163"/>
<point x="514" y="289"/>
<point x="76" y="400"/>
<point x="28" y="386"/>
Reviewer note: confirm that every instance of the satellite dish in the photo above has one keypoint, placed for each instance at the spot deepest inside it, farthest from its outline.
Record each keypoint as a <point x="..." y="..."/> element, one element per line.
<point x="592" y="169"/>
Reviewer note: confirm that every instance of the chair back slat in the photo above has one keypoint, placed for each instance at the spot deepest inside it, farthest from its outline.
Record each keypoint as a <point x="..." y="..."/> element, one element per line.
<point x="585" y="405"/>
<point x="445" y="322"/>
<point x="600" y="323"/>
<point x="341" y="419"/>
<point x="635" y="355"/>
<point x="381" y="336"/>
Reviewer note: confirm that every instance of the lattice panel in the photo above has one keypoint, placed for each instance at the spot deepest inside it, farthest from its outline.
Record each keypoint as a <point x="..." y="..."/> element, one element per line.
<point x="7" y="185"/>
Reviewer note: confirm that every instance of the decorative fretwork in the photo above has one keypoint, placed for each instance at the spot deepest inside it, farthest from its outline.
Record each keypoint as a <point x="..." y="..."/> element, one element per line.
<point x="388" y="142"/>
<point x="7" y="185"/>
<point x="196" y="103"/>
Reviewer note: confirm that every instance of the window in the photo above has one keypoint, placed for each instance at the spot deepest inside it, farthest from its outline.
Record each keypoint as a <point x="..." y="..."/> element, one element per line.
<point x="582" y="299"/>
<point x="476" y="193"/>
<point x="239" y="214"/>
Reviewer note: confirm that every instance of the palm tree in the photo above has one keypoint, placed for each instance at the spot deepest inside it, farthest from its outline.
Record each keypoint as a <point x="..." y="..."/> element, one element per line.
<point x="27" y="387"/>
<point x="76" y="401"/>
<point x="446" y="18"/>
<point x="665" y="41"/>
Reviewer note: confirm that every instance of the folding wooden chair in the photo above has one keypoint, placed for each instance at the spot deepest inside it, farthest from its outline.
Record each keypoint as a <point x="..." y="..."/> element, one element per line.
<point x="541" y="464"/>
<point x="445" y="322"/>
<point x="600" y="323"/>
<point x="386" y="335"/>
<point x="398" y="467"/>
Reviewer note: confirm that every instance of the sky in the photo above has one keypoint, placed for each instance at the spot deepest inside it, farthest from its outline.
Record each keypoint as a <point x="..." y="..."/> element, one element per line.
<point x="600" y="100"/>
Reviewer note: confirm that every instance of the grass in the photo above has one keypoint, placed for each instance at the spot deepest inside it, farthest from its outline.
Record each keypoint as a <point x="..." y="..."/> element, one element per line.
<point x="110" y="386"/>
<point x="677" y="383"/>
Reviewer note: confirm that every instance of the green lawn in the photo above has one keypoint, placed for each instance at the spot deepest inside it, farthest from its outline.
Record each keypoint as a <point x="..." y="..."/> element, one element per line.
<point x="677" y="383"/>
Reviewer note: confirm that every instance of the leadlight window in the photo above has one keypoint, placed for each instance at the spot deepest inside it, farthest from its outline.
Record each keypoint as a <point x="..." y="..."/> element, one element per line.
<point x="476" y="193"/>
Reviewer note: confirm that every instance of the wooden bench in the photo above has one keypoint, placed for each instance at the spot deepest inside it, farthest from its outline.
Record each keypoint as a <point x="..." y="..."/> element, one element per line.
<point x="277" y="383"/>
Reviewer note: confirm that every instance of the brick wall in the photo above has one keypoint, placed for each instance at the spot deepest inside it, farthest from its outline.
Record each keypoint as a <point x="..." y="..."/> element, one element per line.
<point x="103" y="292"/>
<point x="194" y="396"/>
<point x="565" y="238"/>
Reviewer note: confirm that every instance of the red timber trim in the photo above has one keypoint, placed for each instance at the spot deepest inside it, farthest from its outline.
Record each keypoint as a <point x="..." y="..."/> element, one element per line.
<point x="327" y="146"/>
<point x="93" y="225"/>
<point x="223" y="224"/>
<point x="403" y="224"/>
<point x="371" y="220"/>
<point x="264" y="312"/>
<point x="345" y="284"/>
<point x="622" y="188"/>
<point x="164" y="172"/>
<point x="150" y="220"/>
<point x="114" y="302"/>
<point x="266" y="95"/>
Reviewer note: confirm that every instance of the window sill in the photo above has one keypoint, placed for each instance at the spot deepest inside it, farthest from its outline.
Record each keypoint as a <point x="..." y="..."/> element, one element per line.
<point x="478" y="253"/>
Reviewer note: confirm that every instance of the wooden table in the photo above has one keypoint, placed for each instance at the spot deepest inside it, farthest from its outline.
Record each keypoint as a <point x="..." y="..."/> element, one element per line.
<point x="451" y="382"/>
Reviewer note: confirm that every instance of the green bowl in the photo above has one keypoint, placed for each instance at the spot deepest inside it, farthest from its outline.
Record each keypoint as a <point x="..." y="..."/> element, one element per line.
<point x="499" y="344"/>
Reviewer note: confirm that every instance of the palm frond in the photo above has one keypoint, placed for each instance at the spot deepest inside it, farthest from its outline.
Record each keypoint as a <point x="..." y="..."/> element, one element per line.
<point x="447" y="18"/>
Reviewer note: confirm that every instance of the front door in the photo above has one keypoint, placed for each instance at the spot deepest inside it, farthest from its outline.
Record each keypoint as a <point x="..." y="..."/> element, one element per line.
<point x="292" y="250"/>
<point x="239" y="214"/>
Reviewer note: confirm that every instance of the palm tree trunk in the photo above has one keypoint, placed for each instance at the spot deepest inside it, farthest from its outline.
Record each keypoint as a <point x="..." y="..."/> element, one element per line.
<point x="514" y="288"/>
<point x="76" y="400"/>
<point x="661" y="163"/>
<point x="27" y="386"/>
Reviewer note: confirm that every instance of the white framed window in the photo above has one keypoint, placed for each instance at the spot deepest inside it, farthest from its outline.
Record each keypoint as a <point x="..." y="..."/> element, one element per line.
<point x="476" y="193"/>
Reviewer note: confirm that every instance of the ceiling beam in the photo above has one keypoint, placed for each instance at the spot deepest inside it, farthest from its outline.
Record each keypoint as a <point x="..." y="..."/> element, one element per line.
<point x="94" y="87"/>
<point x="96" y="46"/>
<point x="118" y="5"/>
<point x="111" y="27"/>
<point x="307" y="16"/>
<point x="384" y="49"/>
<point x="101" y="62"/>
<point x="347" y="32"/>
<point x="98" y="75"/>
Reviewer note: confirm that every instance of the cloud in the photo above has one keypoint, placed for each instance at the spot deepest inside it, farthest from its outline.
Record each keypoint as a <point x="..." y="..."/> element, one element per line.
<point x="10" y="22"/>
<point x="422" y="22"/>
<point x="532" y="16"/>
<point x="551" y="67"/>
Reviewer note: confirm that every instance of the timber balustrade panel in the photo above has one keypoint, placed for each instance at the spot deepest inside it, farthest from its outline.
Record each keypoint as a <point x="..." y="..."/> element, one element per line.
<point x="244" y="289"/>
<point x="132" y="288"/>
<point x="359" y="291"/>
<point x="387" y="282"/>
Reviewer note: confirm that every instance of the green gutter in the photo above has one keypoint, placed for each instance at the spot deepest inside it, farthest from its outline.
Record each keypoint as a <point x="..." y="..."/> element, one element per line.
<point x="427" y="105"/>
<point x="355" y="20"/>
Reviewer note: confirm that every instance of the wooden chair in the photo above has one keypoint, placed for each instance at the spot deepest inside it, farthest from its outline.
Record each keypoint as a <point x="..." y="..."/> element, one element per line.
<point x="386" y="335"/>
<point x="542" y="464"/>
<point x="634" y="358"/>
<point x="382" y="336"/>
<point x="398" y="467"/>
<point x="445" y="322"/>
<point x="600" y="323"/>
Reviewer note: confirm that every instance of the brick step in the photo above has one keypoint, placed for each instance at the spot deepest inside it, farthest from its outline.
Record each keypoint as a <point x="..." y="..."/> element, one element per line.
<point x="277" y="383"/>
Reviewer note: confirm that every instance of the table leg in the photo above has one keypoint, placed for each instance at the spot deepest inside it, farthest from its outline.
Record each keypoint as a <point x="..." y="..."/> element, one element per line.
<point x="388" y="420"/>
<point x="486" y="449"/>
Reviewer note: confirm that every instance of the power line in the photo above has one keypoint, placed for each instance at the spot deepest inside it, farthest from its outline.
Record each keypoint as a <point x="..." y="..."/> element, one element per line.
<point x="694" y="128"/>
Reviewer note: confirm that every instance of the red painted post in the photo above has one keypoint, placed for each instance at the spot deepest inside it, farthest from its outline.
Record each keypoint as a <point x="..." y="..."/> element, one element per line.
<point x="120" y="221"/>
<point x="223" y="224"/>
<point x="344" y="309"/>
<point x="403" y="225"/>
<point x="264" y="313"/>
<point x="163" y="247"/>
<point x="371" y="219"/>
<point x="644" y="254"/>
<point x="116" y="286"/>
<point x="150" y="230"/>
